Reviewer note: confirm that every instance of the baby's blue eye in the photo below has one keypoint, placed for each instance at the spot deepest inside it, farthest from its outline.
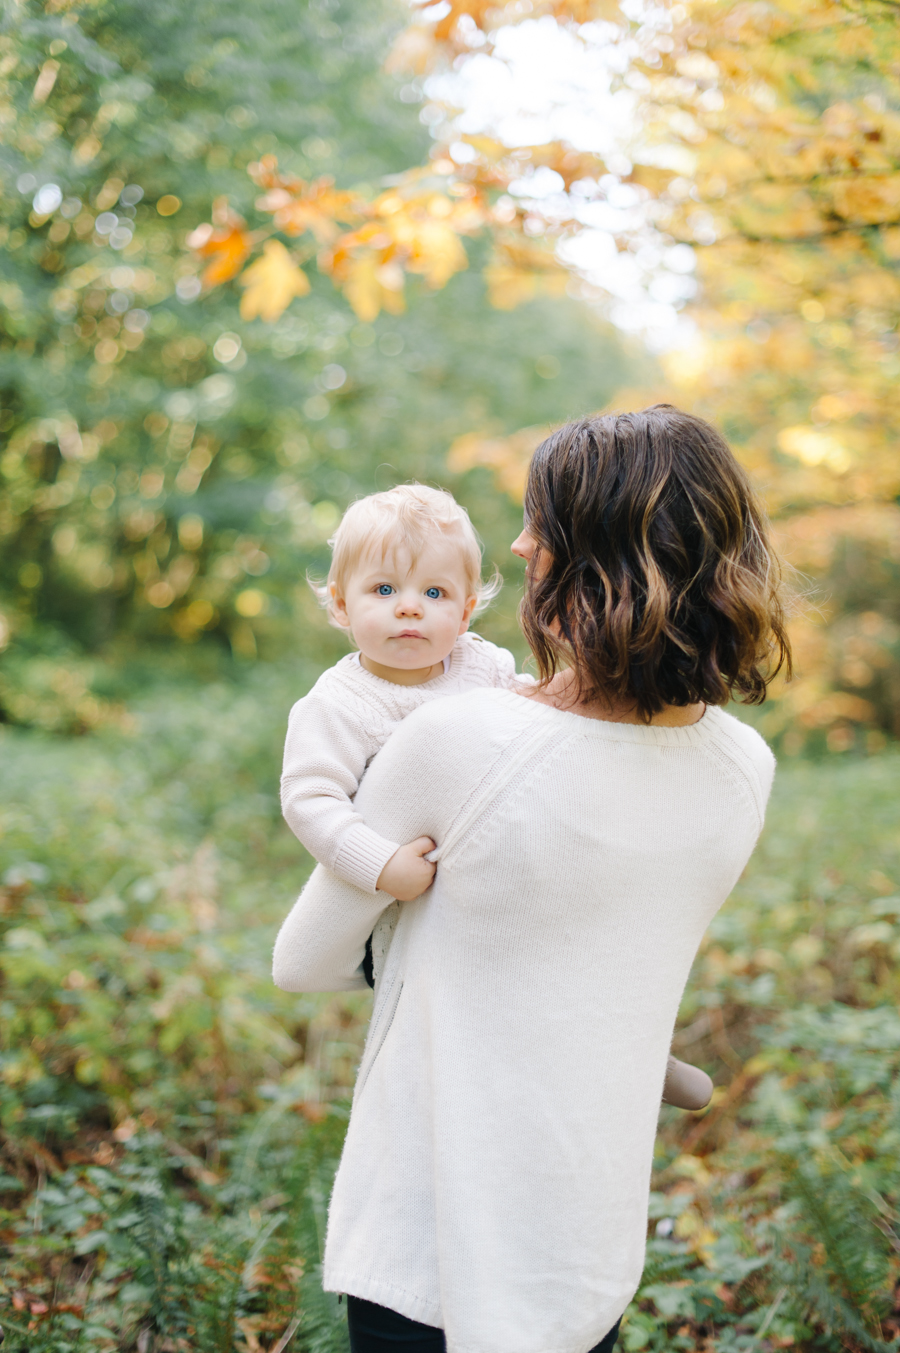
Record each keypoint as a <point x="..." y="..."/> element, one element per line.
<point x="433" y="593"/>
<point x="384" y="589"/>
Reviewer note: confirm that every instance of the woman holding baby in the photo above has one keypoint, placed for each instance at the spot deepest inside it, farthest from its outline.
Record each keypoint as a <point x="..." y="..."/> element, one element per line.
<point x="492" y="1194"/>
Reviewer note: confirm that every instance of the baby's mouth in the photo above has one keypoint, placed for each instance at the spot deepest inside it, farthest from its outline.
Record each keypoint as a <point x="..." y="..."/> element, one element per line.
<point x="410" y="634"/>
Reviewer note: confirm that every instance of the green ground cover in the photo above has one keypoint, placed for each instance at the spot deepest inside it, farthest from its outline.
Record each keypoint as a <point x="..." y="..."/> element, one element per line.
<point x="170" y="1120"/>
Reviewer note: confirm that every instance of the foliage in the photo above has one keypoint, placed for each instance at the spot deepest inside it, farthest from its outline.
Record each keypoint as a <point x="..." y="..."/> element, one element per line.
<point x="795" y="138"/>
<point x="178" y="1104"/>
<point x="210" y="440"/>
<point x="174" y="464"/>
<point x="189" y="403"/>
<point x="169" y="1120"/>
<point x="149" y="1264"/>
<point x="768" y="140"/>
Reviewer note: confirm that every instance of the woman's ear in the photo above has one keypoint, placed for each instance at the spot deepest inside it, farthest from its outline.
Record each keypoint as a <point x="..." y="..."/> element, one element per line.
<point x="338" y="607"/>
<point x="471" y="603"/>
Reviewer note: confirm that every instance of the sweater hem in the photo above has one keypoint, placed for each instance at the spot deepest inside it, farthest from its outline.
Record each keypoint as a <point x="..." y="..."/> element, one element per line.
<point x="384" y="1294"/>
<point x="429" y="1313"/>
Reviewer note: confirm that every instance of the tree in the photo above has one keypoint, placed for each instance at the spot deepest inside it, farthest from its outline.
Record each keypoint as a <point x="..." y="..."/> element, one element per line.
<point x="768" y="140"/>
<point x="174" y="462"/>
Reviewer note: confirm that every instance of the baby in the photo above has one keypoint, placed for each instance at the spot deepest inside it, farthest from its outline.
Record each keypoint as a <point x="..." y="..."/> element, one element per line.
<point x="405" y="581"/>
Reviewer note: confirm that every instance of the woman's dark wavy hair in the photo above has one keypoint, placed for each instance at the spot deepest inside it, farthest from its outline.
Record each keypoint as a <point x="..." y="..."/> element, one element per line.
<point x="660" y="584"/>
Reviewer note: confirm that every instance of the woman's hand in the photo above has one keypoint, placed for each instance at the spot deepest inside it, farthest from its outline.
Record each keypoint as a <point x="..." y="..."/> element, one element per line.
<point x="407" y="873"/>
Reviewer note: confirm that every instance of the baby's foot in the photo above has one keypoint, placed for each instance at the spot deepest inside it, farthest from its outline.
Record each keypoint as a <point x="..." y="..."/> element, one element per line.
<point x="687" y="1087"/>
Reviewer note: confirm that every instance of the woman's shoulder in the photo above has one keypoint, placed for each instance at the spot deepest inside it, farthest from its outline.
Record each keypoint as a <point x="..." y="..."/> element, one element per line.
<point x="445" y="748"/>
<point x="467" y="729"/>
<point x="745" y="748"/>
<point x="742" y="736"/>
<point x="472" y="710"/>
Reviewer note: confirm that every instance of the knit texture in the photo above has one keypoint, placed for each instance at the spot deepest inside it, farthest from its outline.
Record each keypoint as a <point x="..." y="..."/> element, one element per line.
<point x="333" y="734"/>
<point x="496" y="1172"/>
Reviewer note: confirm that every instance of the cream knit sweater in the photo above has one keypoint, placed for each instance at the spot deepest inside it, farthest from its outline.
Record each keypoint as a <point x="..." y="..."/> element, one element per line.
<point x="495" y="1175"/>
<point x="336" y="730"/>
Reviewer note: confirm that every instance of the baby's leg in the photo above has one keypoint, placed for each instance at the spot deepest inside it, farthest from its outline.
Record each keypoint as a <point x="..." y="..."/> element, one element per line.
<point x="687" y="1087"/>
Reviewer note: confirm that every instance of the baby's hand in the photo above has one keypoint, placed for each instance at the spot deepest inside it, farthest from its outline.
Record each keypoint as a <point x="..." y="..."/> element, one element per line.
<point x="407" y="874"/>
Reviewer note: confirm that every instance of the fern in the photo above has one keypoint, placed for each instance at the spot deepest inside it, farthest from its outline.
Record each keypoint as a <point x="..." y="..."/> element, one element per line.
<point x="160" y="1239"/>
<point x="323" y="1322"/>
<point x="835" y="1258"/>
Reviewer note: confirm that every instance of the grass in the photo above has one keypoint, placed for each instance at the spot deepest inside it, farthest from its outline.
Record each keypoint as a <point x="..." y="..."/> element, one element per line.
<point x="171" y="1122"/>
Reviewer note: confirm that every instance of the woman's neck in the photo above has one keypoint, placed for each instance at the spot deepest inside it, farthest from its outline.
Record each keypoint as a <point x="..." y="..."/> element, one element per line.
<point x="562" y="694"/>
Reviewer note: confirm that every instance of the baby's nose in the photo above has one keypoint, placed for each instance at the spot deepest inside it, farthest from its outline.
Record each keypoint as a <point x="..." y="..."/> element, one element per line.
<point x="409" y="605"/>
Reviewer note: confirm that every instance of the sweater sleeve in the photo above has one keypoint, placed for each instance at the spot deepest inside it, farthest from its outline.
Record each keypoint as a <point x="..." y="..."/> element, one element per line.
<point x="500" y="667"/>
<point x="505" y="665"/>
<point x="415" y="787"/>
<point x="325" y="755"/>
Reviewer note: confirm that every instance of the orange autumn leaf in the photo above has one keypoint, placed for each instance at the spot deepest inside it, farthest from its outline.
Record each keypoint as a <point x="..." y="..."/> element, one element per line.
<point x="271" y="283"/>
<point x="226" y="248"/>
<point x="297" y="206"/>
<point x="411" y="229"/>
<point x="224" y="242"/>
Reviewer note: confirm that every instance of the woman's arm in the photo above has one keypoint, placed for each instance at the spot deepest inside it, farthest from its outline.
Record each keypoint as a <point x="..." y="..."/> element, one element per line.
<point x="425" y="779"/>
<point x="321" y="944"/>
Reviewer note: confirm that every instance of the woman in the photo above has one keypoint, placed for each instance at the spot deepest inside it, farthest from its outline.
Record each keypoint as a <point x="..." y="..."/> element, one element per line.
<point x="492" y="1194"/>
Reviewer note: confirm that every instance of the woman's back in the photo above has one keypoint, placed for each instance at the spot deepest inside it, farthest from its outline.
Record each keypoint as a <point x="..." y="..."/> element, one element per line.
<point x="512" y="1077"/>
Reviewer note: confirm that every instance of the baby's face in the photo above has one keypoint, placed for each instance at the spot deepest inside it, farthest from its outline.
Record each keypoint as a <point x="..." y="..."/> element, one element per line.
<point x="407" y="616"/>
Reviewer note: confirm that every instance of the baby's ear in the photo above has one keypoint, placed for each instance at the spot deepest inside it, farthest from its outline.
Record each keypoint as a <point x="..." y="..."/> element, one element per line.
<point x="338" y="607"/>
<point x="471" y="603"/>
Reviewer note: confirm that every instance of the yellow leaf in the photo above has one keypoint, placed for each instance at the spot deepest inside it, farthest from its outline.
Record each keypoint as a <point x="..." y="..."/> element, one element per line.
<point x="298" y="206"/>
<point x="507" y="457"/>
<point x="872" y="199"/>
<point x="272" y="282"/>
<point x="778" y="211"/>
<point x="437" y="253"/>
<point x="587" y="11"/>
<point x="393" y="301"/>
<point x="362" y="288"/>
<point x="371" y="286"/>
<point x="813" y="447"/>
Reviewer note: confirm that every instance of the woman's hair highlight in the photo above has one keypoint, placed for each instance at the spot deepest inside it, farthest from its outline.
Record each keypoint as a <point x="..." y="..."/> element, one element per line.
<point x="656" y="582"/>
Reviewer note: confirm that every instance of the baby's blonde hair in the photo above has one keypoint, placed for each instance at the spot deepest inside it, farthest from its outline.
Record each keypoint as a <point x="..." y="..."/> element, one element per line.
<point x="408" y="516"/>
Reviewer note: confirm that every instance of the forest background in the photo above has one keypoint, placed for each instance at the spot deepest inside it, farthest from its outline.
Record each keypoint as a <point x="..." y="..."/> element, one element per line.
<point x="253" y="264"/>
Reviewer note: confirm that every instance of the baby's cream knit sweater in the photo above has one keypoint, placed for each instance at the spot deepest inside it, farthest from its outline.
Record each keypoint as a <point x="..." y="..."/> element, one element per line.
<point x="336" y="730"/>
<point x="495" y="1175"/>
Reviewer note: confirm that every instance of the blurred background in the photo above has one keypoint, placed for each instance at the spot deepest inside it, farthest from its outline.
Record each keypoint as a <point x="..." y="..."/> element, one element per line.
<point x="254" y="264"/>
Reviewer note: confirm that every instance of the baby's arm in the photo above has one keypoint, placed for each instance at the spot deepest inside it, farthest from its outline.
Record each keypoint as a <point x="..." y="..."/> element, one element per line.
<point x="325" y="755"/>
<point x="499" y="668"/>
<point x="407" y="873"/>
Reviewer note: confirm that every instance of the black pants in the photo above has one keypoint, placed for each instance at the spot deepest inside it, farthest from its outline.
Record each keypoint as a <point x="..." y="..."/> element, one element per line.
<point x="376" y="1329"/>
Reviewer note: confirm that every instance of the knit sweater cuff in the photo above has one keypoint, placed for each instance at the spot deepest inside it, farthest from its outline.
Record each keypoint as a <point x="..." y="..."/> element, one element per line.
<point x="362" y="857"/>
